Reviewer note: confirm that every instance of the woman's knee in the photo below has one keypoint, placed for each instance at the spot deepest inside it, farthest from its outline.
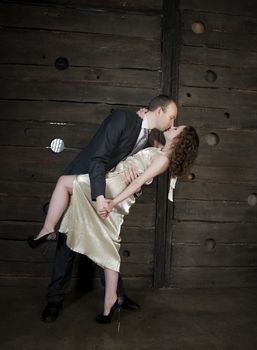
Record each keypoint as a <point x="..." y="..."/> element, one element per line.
<point x="61" y="181"/>
<point x="67" y="182"/>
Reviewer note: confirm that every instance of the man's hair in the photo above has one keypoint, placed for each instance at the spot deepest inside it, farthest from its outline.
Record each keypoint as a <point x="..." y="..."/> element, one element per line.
<point x="162" y="101"/>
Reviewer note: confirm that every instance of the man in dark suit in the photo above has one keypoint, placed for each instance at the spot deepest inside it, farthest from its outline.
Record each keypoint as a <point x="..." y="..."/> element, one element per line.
<point x="121" y="133"/>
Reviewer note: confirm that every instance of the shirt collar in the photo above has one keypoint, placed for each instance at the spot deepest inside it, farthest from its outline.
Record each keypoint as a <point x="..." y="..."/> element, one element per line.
<point x="144" y="123"/>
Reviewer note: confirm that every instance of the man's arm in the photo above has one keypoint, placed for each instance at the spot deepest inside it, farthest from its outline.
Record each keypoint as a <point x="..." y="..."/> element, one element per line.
<point x="107" y="142"/>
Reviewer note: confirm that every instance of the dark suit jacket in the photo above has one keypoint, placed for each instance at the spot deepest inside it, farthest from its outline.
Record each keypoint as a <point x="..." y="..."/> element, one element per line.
<point x="113" y="141"/>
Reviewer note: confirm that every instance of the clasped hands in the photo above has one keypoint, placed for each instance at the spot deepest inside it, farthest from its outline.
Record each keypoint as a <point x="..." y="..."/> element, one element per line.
<point x="103" y="205"/>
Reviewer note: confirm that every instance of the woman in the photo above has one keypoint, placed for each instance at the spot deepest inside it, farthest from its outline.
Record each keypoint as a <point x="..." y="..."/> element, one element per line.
<point x="96" y="237"/>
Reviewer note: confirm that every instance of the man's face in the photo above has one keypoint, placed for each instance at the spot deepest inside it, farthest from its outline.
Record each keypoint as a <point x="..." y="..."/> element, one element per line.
<point x="167" y="117"/>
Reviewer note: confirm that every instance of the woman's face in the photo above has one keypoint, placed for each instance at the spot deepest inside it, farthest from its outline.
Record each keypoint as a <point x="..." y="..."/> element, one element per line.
<point x="173" y="132"/>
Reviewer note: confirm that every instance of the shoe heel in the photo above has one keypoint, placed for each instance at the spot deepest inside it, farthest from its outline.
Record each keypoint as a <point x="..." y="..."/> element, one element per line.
<point x="118" y="311"/>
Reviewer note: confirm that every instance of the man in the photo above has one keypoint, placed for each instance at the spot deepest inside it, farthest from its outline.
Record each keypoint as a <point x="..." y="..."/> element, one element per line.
<point x="121" y="134"/>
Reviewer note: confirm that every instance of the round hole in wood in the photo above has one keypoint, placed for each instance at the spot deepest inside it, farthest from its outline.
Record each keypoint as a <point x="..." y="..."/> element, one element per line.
<point x="57" y="145"/>
<point x="210" y="76"/>
<point x="198" y="27"/>
<point x="126" y="253"/>
<point x="212" y="139"/>
<point x="191" y="176"/>
<point x="61" y="63"/>
<point x="28" y="131"/>
<point x="227" y="115"/>
<point x="210" y="244"/>
<point x="188" y="94"/>
<point x="252" y="199"/>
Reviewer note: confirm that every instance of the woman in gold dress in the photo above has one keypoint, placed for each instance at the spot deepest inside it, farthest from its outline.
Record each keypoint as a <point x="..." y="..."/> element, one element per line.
<point x="99" y="237"/>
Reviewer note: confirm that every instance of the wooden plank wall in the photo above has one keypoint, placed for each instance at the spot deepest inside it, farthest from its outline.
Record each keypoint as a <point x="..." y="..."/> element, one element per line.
<point x="215" y="228"/>
<point x="114" y="54"/>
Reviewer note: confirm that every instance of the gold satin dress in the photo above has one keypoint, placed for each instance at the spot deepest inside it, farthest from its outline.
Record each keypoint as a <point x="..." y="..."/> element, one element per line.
<point x="87" y="233"/>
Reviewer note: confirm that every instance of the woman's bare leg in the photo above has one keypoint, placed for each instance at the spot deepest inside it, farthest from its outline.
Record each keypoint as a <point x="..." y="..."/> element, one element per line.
<point x="111" y="282"/>
<point x="58" y="203"/>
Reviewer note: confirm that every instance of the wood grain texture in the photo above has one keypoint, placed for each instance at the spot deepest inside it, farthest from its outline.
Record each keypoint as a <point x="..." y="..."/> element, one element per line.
<point x="81" y="49"/>
<point x="247" y="8"/>
<point x="213" y="277"/>
<point x="216" y="40"/>
<point x="232" y="147"/>
<point x="79" y="20"/>
<point x="63" y="111"/>
<point x="77" y="92"/>
<point x="218" y="57"/>
<point x="241" y="79"/>
<point x="188" y="232"/>
<point x="213" y="191"/>
<point x="214" y="211"/>
<point x="129" y="5"/>
<point x="229" y="118"/>
<point x="21" y="230"/>
<point x="76" y="75"/>
<point x="225" y="174"/>
<point x="222" y="23"/>
<point x="217" y="97"/>
<point x="17" y="258"/>
<point x="34" y="164"/>
<point x="34" y="134"/>
<point x="237" y="255"/>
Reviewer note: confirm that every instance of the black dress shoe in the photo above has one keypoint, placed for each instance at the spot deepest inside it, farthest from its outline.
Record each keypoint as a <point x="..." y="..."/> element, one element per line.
<point x="51" y="312"/>
<point x="129" y="304"/>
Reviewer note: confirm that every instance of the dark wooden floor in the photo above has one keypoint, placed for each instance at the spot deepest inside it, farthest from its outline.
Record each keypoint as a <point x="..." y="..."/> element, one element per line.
<point x="185" y="319"/>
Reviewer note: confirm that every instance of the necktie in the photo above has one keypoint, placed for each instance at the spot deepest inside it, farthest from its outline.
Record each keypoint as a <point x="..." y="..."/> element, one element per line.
<point x="141" y="141"/>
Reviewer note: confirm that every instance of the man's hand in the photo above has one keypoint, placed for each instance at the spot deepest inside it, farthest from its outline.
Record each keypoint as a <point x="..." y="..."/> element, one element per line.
<point x="141" y="112"/>
<point x="102" y="206"/>
<point x="130" y="175"/>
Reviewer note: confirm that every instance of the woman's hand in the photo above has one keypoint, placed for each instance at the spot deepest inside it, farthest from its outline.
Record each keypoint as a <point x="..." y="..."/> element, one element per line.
<point x="109" y="206"/>
<point x="142" y="112"/>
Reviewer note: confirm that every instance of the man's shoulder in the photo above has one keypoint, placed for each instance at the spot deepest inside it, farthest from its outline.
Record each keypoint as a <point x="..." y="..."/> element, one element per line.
<point x="125" y="115"/>
<point x="123" y="112"/>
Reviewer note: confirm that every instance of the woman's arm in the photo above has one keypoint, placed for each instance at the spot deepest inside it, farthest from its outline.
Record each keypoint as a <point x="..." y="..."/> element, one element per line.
<point x="158" y="166"/>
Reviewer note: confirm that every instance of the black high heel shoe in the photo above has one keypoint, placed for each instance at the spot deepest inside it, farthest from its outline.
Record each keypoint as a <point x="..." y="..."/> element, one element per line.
<point x="101" y="318"/>
<point x="34" y="243"/>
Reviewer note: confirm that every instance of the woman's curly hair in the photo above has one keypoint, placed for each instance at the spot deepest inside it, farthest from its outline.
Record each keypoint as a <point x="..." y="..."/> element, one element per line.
<point x="184" y="152"/>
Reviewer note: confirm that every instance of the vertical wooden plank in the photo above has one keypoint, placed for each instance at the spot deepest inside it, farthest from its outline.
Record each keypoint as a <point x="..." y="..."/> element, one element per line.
<point x="170" y="58"/>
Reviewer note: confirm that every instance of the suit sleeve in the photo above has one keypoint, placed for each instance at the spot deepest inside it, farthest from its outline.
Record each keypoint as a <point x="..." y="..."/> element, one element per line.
<point x="111" y="131"/>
